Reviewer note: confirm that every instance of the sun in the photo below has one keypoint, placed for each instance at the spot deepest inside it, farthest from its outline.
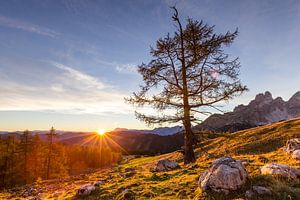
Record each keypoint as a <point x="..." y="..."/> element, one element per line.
<point x="101" y="131"/>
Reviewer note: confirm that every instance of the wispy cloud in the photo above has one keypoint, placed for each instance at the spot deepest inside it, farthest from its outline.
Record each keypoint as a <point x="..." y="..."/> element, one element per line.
<point x="121" y="68"/>
<point x="80" y="76"/>
<point x="72" y="92"/>
<point x="26" y="26"/>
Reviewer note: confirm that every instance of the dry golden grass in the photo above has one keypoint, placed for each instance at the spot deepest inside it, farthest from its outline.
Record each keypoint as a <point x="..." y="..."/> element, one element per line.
<point x="257" y="146"/>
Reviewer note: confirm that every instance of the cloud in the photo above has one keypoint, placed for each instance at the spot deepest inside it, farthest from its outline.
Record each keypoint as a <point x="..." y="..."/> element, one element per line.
<point x="25" y="26"/>
<point x="71" y="92"/>
<point x="80" y="76"/>
<point x="126" y="68"/>
<point x="121" y="68"/>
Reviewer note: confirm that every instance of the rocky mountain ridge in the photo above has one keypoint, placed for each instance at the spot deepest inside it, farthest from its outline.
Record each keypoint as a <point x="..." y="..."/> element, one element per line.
<point x="264" y="109"/>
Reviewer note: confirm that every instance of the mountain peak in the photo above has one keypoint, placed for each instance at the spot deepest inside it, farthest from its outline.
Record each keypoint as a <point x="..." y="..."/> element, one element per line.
<point x="260" y="111"/>
<point x="267" y="96"/>
<point x="295" y="97"/>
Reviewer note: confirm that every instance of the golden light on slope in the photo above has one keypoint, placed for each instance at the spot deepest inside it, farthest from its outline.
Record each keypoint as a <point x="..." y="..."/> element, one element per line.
<point x="101" y="131"/>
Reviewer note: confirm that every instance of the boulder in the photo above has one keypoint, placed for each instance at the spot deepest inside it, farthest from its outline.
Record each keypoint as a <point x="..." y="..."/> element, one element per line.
<point x="280" y="170"/>
<point x="256" y="191"/>
<point x="224" y="175"/>
<point x="292" y="145"/>
<point x="165" y="165"/>
<point x="260" y="190"/>
<point x="296" y="154"/>
<point x="85" y="190"/>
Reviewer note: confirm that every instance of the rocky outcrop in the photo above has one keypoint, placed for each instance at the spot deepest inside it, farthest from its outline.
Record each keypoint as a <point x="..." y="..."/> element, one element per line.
<point x="292" y="145"/>
<point x="224" y="175"/>
<point x="165" y="165"/>
<point x="280" y="170"/>
<point x="260" y="111"/>
<point x="85" y="190"/>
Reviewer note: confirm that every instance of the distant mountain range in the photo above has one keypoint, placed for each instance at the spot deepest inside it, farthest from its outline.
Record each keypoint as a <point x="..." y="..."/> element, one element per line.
<point x="129" y="141"/>
<point x="260" y="111"/>
<point x="162" y="131"/>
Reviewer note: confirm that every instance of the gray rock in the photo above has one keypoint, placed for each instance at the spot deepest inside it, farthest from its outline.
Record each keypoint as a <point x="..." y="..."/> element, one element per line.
<point x="261" y="190"/>
<point x="165" y="165"/>
<point x="296" y="154"/>
<point x="256" y="191"/>
<point x="280" y="170"/>
<point x="224" y="175"/>
<point x="292" y="145"/>
<point x="85" y="190"/>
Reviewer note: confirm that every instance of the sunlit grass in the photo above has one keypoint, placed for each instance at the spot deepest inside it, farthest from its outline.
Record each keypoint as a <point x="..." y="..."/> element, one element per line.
<point x="257" y="146"/>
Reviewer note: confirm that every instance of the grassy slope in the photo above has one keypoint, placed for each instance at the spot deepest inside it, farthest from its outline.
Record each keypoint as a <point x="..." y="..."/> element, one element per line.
<point x="258" y="146"/>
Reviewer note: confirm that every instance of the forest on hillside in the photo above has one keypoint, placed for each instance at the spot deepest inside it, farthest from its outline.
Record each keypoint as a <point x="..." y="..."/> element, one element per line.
<point x="26" y="158"/>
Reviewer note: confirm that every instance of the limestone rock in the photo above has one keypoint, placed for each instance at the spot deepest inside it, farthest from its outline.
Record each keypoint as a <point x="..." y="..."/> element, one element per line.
<point x="292" y="145"/>
<point x="224" y="175"/>
<point x="85" y="190"/>
<point x="280" y="170"/>
<point x="261" y="190"/>
<point x="165" y="165"/>
<point x="256" y="191"/>
<point x="296" y="154"/>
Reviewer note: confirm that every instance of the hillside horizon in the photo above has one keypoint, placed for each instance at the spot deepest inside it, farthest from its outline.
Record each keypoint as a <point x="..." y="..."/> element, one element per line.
<point x="252" y="146"/>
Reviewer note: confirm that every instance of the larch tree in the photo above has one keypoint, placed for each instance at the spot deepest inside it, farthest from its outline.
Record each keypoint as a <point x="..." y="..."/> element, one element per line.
<point x="189" y="73"/>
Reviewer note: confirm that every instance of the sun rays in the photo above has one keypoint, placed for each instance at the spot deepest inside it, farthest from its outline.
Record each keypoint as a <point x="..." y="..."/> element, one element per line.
<point x="101" y="131"/>
<point x="103" y="139"/>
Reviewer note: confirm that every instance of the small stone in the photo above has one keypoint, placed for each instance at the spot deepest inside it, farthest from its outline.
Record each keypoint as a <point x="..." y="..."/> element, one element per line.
<point x="261" y="190"/>
<point x="296" y="154"/>
<point x="165" y="165"/>
<point x="292" y="145"/>
<point x="85" y="190"/>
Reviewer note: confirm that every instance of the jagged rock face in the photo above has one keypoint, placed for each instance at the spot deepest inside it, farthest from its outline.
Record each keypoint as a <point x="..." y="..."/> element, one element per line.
<point x="260" y="111"/>
<point x="224" y="175"/>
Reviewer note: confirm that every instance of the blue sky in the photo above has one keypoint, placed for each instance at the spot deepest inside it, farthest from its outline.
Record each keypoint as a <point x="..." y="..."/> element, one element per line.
<point x="69" y="64"/>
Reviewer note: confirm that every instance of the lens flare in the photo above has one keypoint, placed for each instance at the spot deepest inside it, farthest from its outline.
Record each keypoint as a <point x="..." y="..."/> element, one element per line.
<point x="101" y="131"/>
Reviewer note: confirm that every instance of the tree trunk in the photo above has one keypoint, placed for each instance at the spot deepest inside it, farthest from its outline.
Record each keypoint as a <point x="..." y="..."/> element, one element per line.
<point x="189" y="155"/>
